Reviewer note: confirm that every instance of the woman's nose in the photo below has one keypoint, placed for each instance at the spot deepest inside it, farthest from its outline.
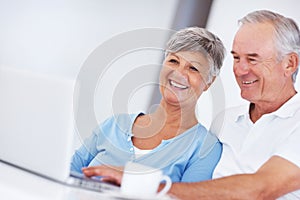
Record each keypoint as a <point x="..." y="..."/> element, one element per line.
<point x="182" y="69"/>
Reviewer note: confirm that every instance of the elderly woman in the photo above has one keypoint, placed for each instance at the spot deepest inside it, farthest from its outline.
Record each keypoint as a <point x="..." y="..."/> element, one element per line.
<point x="170" y="138"/>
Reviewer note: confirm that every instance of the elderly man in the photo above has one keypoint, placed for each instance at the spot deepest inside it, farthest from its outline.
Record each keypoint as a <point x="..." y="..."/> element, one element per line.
<point x="261" y="149"/>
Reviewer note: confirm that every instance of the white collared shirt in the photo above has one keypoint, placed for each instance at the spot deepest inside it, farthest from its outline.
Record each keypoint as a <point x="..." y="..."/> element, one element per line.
<point x="247" y="146"/>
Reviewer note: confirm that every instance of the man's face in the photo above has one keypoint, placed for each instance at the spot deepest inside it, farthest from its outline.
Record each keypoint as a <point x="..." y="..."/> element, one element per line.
<point x="259" y="74"/>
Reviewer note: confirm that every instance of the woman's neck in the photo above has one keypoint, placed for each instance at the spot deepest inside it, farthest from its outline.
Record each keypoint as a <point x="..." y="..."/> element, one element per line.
<point x="173" y="115"/>
<point x="162" y="124"/>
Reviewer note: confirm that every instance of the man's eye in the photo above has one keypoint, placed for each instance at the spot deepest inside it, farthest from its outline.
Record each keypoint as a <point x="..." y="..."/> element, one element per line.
<point x="236" y="58"/>
<point x="252" y="61"/>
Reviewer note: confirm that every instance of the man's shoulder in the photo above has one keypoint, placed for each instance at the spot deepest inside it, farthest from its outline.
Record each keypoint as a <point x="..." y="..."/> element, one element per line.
<point x="228" y="114"/>
<point x="237" y="109"/>
<point x="233" y="112"/>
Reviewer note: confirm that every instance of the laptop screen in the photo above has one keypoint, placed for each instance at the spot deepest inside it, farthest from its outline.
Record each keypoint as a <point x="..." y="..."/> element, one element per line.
<point x="36" y="122"/>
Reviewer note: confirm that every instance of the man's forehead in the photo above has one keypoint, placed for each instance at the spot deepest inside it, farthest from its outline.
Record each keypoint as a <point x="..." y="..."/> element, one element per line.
<point x="250" y="54"/>
<point x="255" y="34"/>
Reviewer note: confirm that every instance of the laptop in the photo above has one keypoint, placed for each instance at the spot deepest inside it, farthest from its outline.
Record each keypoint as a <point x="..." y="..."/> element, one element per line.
<point x="37" y="126"/>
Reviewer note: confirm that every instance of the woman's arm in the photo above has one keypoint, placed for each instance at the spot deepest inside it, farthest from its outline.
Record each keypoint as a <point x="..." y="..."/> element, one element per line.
<point x="110" y="173"/>
<point x="83" y="156"/>
<point x="202" y="165"/>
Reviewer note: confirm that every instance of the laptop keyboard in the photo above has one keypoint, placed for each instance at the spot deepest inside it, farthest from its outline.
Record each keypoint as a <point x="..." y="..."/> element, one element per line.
<point x="92" y="184"/>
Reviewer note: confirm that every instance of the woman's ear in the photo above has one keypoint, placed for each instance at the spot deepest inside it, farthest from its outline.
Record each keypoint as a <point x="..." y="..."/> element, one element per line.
<point x="209" y="84"/>
<point x="291" y="64"/>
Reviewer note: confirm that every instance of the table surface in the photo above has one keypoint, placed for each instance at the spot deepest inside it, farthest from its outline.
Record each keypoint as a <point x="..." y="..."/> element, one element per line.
<point x="16" y="184"/>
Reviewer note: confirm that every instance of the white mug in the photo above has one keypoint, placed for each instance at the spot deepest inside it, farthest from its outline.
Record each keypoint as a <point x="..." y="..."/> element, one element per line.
<point x="143" y="181"/>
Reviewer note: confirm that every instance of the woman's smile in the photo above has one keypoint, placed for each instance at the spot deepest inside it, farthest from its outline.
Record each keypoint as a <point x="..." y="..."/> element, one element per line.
<point x="177" y="85"/>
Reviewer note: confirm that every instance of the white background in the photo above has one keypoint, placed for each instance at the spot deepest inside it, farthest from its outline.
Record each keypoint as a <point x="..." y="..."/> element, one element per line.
<point x="56" y="37"/>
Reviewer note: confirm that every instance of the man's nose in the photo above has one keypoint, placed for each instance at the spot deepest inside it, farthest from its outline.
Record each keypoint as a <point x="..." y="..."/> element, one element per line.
<point x="241" y="68"/>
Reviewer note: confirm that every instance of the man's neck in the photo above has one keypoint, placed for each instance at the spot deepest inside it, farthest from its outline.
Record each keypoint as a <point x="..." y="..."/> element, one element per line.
<point x="257" y="110"/>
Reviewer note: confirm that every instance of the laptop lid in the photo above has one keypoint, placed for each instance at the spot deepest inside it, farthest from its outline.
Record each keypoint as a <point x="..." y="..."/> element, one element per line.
<point x="36" y="122"/>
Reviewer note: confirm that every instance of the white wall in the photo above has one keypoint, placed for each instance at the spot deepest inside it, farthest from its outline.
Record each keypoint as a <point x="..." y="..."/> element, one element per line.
<point x="223" y="22"/>
<point x="59" y="36"/>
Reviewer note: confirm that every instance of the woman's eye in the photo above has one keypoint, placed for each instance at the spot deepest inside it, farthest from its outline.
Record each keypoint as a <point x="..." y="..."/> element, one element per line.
<point x="173" y="61"/>
<point x="194" y="68"/>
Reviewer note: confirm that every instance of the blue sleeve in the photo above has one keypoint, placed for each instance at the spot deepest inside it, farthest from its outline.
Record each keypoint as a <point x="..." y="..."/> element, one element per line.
<point x="85" y="154"/>
<point x="202" y="166"/>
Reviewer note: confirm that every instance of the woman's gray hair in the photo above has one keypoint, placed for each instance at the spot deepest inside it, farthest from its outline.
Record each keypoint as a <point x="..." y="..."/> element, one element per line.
<point x="287" y="35"/>
<point x="200" y="40"/>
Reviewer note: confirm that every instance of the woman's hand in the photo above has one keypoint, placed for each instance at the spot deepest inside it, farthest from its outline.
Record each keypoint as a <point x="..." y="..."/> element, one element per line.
<point x="111" y="174"/>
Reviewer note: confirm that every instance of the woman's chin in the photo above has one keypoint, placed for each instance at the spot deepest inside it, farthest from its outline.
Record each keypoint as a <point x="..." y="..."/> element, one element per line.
<point x="175" y="101"/>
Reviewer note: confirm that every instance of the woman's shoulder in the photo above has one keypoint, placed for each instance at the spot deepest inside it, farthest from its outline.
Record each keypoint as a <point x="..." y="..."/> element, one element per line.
<point x="197" y="136"/>
<point x="120" y="119"/>
<point x="207" y="142"/>
<point x="122" y="122"/>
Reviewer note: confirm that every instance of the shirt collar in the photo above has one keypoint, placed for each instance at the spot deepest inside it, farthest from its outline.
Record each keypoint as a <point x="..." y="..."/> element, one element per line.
<point x="242" y="112"/>
<point x="288" y="109"/>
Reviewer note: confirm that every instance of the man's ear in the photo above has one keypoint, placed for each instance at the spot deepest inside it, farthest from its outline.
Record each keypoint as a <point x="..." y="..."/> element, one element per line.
<point x="209" y="84"/>
<point x="291" y="64"/>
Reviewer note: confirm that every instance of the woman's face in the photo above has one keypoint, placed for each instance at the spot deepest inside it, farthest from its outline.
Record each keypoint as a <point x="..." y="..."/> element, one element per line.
<point x="183" y="77"/>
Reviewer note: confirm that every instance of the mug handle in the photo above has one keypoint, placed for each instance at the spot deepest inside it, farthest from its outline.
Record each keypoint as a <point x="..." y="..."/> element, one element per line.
<point x="166" y="187"/>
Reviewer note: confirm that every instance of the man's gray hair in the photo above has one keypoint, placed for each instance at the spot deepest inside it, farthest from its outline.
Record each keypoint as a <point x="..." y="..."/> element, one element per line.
<point x="287" y="35"/>
<point x="196" y="39"/>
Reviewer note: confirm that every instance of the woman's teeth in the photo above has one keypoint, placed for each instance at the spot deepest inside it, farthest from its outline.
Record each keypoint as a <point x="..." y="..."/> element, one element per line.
<point x="178" y="85"/>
